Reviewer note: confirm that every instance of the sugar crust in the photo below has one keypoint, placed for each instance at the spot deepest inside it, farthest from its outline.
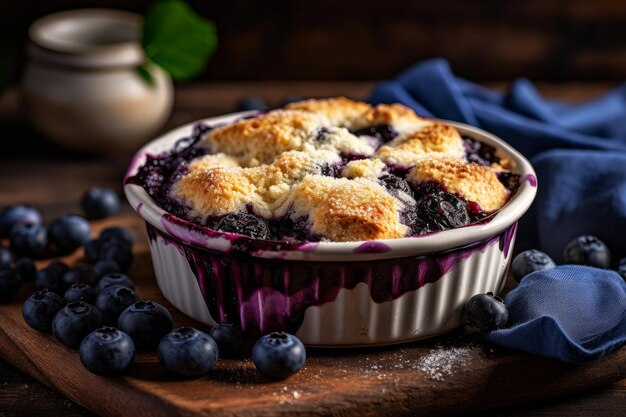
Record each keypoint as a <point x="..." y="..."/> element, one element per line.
<point x="275" y="165"/>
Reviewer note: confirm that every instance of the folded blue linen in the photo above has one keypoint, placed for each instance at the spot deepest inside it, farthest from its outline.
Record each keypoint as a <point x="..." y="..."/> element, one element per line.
<point x="570" y="313"/>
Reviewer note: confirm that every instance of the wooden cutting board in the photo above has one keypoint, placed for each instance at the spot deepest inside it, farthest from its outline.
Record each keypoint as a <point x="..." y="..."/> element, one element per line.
<point x="457" y="373"/>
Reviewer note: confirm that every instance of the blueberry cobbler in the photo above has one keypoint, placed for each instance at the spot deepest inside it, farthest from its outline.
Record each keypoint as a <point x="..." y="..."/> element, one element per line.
<point x="329" y="170"/>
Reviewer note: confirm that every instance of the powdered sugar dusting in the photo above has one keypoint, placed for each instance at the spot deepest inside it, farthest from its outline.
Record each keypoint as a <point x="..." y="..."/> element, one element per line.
<point x="443" y="361"/>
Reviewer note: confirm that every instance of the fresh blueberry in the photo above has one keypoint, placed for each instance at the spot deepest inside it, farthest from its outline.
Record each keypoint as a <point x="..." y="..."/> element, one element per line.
<point x="229" y="339"/>
<point x="278" y="355"/>
<point x="69" y="233"/>
<point x="244" y="224"/>
<point x="112" y="301"/>
<point x="188" y="352"/>
<point x="383" y="132"/>
<point x="530" y="261"/>
<point x="17" y="214"/>
<point x="72" y="323"/>
<point x="93" y="250"/>
<point x="113" y="279"/>
<point x="26" y="269"/>
<point x="40" y="308"/>
<point x="81" y="273"/>
<point x="105" y="267"/>
<point x="117" y="233"/>
<point x="441" y="211"/>
<point x="100" y="202"/>
<point x="29" y="240"/>
<point x="6" y="257"/>
<point x="120" y="253"/>
<point x="107" y="351"/>
<point x="487" y="312"/>
<point x="49" y="278"/>
<point x="80" y="292"/>
<point x="587" y="250"/>
<point x="290" y="99"/>
<point x="252" y="103"/>
<point x="146" y="322"/>
<point x="9" y="283"/>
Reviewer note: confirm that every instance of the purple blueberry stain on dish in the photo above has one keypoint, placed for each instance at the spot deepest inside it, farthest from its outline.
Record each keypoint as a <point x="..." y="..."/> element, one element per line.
<point x="372" y="247"/>
<point x="263" y="295"/>
<point x="507" y="238"/>
<point x="531" y="179"/>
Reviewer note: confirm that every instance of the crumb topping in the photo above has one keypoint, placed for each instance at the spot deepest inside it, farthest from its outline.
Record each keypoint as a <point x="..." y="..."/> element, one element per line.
<point x="473" y="182"/>
<point x="341" y="111"/>
<point x="435" y="140"/>
<point x="363" y="168"/>
<point x="348" y="210"/>
<point x="312" y="161"/>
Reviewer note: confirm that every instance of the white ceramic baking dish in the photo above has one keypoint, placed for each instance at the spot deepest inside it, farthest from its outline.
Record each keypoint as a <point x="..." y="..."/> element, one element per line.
<point x="329" y="293"/>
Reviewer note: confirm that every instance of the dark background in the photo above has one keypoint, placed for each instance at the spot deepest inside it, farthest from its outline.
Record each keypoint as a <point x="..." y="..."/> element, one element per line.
<point x="546" y="40"/>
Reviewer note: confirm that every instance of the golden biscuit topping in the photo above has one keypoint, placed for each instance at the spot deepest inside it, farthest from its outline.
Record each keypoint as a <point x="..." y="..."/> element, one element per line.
<point x="401" y="117"/>
<point x="347" y="210"/>
<point x="473" y="182"/>
<point x="433" y="141"/>
<point x="363" y="168"/>
<point x="341" y="111"/>
<point x="338" y="165"/>
<point x="261" y="139"/>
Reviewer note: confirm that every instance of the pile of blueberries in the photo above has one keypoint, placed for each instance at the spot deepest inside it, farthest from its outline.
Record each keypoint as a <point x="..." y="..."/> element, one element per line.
<point x="488" y="312"/>
<point x="93" y="307"/>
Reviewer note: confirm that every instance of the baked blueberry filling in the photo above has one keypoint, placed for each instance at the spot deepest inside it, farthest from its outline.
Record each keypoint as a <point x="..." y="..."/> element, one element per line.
<point x="440" y="211"/>
<point x="331" y="170"/>
<point x="480" y="153"/>
<point x="422" y="206"/>
<point x="382" y="132"/>
<point x="244" y="224"/>
<point x="509" y="180"/>
<point x="395" y="184"/>
<point x="293" y="229"/>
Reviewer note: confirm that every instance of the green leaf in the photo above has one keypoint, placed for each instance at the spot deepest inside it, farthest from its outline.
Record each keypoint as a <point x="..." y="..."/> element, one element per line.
<point x="178" y="39"/>
<point x="145" y="73"/>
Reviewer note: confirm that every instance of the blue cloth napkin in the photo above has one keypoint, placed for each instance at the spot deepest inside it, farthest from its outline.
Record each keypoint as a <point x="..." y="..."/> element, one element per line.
<point x="564" y="313"/>
<point x="579" y="152"/>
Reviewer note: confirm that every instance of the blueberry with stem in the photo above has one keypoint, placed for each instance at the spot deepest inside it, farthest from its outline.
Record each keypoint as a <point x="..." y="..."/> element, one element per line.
<point x="69" y="233"/>
<point x="530" y="261"/>
<point x="278" y="355"/>
<point x="75" y="321"/>
<point x="29" y="240"/>
<point x="587" y="250"/>
<point x="100" y="202"/>
<point x="487" y="312"/>
<point x="17" y="214"/>
<point x="40" y="308"/>
<point x="188" y="352"/>
<point x="112" y="301"/>
<point x="107" y="351"/>
<point x="146" y="322"/>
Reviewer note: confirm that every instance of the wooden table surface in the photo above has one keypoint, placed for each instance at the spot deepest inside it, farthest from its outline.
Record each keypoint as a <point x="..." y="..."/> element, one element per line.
<point x="27" y="162"/>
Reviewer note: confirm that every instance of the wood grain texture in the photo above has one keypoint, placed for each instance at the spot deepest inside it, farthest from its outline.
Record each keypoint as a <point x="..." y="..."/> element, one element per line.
<point x="339" y="383"/>
<point x="464" y="374"/>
